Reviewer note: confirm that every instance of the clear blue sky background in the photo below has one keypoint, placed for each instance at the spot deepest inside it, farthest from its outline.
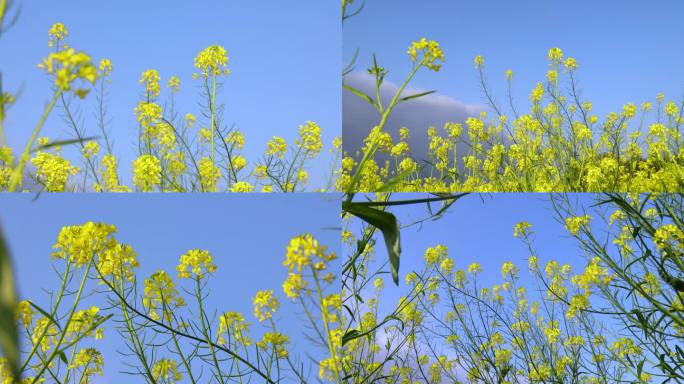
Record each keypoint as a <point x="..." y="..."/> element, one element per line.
<point x="479" y="228"/>
<point x="627" y="50"/>
<point x="247" y="235"/>
<point x="284" y="57"/>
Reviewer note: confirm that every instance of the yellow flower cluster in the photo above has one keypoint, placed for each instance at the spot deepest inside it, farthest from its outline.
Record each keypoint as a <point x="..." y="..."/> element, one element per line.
<point x="160" y="292"/>
<point x="234" y="324"/>
<point x="166" y="371"/>
<point x="242" y="187"/>
<point x="575" y="223"/>
<point x="91" y="362"/>
<point x="106" y="67"/>
<point x="522" y="229"/>
<point x="68" y="66"/>
<point x="195" y="264"/>
<point x="90" y="149"/>
<point x="431" y="55"/>
<point x="95" y="242"/>
<point x="83" y="324"/>
<point x="209" y="174"/>
<point x="57" y="33"/>
<point x="147" y="173"/>
<point x="276" y="342"/>
<point x="277" y="146"/>
<point x="151" y="80"/>
<point x="80" y="243"/>
<point x="310" y="138"/>
<point x="265" y="305"/>
<point x="212" y="61"/>
<point x="53" y="171"/>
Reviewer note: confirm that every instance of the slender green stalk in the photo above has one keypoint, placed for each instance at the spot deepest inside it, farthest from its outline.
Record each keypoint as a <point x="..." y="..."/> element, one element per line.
<point x="213" y="118"/>
<point x="205" y="330"/>
<point x="57" y="345"/>
<point x="367" y="155"/>
<point x="19" y="170"/>
<point x="324" y="313"/>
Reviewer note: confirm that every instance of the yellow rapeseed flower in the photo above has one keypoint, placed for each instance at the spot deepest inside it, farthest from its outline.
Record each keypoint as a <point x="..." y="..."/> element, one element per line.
<point x="265" y="304"/>
<point x="212" y="61"/>
<point x="195" y="263"/>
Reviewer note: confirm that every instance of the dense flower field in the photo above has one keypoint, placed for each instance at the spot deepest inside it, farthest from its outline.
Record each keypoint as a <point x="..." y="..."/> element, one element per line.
<point x="619" y="319"/>
<point x="177" y="152"/>
<point x="557" y="144"/>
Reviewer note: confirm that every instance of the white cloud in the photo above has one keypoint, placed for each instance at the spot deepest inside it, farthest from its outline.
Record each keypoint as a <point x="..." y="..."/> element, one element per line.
<point x="358" y="117"/>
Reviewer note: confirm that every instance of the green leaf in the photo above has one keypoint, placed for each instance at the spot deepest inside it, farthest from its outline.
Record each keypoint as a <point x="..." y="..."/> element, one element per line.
<point x="61" y="143"/>
<point x="62" y="356"/>
<point x="9" y="337"/>
<point x="350" y="335"/>
<point x="44" y="313"/>
<point x="415" y="96"/>
<point x="387" y="187"/>
<point x="360" y="94"/>
<point x="387" y="224"/>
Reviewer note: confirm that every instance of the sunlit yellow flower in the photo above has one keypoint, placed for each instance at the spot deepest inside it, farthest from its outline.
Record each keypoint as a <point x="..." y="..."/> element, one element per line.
<point x="242" y="187"/>
<point x="522" y="229"/>
<point x="196" y="264"/>
<point x="479" y="61"/>
<point x="161" y="293"/>
<point x="236" y="139"/>
<point x="209" y="174"/>
<point x="212" y="61"/>
<point x="147" y="172"/>
<point x="294" y="285"/>
<point x="151" y="80"/>
<point x="105" y="67"/>
<point x="276" y="342"/>
<point x="166" y="370"/>
<point x="57" y="33"/>
<point x="90" y="361"/>
<point x="68" y="66"/>
<point x="555" y="55"/>
<point x="90" y="149"/>
<point x="575" y="223"/>
<point x="310" y="138"/>
<point x="432" y="56"/>
<point x="53" y="171"/>
<point x="173" y="84"/>
<point x="265" y="304"/>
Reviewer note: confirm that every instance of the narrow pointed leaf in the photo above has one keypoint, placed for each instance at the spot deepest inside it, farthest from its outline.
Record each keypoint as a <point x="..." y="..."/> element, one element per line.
<point x="415" y="96"/>
<point x="387" y="187"/>
<point x="360" y="94"/>
<point x="61" y="143"/>
<point x="46" y="314"/>
<point x="387" y="224"/>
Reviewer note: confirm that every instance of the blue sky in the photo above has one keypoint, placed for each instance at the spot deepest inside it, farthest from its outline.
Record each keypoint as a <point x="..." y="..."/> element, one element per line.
<point x="626" y="50"/>
<point x="247" y="235"/>
<point x="284" y="58"/>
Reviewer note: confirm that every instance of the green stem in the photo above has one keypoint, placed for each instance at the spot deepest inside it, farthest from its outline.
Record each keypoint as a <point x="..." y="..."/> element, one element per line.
<point x="324" y="312"/>
<point x="53" y="313"/>
<point x="213" y="114"/>
<point x="77" y="299"/>
<point x="19" y="170"/>
<point x="367" y="155"/>
<point x="205" y="331"/>
<point x="175" y="340"/>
